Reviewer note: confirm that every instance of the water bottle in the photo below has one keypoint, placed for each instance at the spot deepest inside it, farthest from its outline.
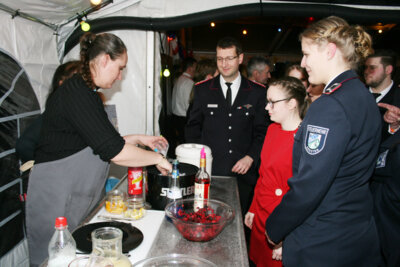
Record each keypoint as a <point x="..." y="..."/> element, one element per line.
<point x="62" y="245"/>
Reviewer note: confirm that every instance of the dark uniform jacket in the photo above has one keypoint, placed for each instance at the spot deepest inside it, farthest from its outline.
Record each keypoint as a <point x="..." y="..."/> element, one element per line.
<point x="326" y="217"/>
<point x="231" y="133"/>
<point x="385" y="188"/>
<point x="392" y="98"/>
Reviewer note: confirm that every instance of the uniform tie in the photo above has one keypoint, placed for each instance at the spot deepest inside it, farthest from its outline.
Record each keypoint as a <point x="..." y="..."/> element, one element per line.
<point x="229" y="95"/>
<point x="376" y="95"/>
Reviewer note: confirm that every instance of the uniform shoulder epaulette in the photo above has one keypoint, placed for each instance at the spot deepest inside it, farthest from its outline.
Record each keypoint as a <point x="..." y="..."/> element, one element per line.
<point x="335" y="86"/>
<point x="258" y="83"/>
<point x="203" y="81"/>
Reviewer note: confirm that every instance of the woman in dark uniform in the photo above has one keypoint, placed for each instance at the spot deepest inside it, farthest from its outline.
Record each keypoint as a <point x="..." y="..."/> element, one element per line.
<point x="78" y="142"/>
<point x="326" y="217"/>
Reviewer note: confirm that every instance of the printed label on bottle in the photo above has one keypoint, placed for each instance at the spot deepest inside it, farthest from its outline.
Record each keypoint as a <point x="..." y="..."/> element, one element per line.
<point x="201" y="192"/>
<point x="174" y="193"/>
<point x="135" y="181"/>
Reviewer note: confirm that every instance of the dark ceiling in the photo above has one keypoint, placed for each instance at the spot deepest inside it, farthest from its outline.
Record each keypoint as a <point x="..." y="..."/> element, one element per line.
<point x="263" y="36"/>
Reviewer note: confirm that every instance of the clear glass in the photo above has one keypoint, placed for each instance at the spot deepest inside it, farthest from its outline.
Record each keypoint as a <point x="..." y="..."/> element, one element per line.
<point x="107" y="243"/>
<point x="134" y="209"/>
<point x="91" y="261"/>
<point x="174" y="260"/>
<point x="115" y="202"/>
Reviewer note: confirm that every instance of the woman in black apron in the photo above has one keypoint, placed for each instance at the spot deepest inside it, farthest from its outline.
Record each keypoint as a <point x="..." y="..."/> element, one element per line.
<point x="77" y="143"/>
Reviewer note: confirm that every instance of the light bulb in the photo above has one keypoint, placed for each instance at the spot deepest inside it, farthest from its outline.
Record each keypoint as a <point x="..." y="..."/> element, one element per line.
<point x="166" y="73"/>
<point x="95" y="2"/>
<point x="85" y="26"/>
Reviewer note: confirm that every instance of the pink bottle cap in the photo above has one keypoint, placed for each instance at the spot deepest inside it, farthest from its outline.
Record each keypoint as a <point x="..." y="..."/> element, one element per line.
<point x="202" y="153"/>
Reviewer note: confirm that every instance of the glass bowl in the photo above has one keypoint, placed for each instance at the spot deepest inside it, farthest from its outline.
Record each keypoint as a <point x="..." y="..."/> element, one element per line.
<point x="174" y="260"/>
<point x="201" y="224"/>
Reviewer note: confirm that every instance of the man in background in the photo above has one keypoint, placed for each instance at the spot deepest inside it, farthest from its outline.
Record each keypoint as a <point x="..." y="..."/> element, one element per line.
<point x="378" y="72"/>
<point x="259" y="70"/>
<point x="228" y="115"/>
<point x="180" y="98"/>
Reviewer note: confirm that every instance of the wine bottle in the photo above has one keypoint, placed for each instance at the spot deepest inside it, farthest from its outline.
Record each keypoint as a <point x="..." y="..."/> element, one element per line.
<point x="201" y="183"/>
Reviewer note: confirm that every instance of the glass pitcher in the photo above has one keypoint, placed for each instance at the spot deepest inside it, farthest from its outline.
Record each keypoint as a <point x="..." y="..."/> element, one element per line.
<point x="107" y="242"/>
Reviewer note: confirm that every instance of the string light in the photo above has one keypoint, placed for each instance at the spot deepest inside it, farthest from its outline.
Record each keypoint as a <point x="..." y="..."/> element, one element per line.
<point x="95" y="2"/>
<point x="85" y="26"/>
<point x="166" y="72"/>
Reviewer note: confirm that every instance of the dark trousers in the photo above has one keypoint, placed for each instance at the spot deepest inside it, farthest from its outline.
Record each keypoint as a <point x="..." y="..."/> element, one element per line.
<point x="179" y="129"/>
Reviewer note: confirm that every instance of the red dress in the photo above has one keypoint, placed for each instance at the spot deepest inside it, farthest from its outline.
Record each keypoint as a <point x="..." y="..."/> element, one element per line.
<point x="275" y="170"/>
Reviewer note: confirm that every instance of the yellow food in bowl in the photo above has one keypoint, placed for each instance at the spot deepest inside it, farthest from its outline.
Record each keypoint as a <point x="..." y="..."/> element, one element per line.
<point x="135" y="213"/>
<point x="115" y="206"/>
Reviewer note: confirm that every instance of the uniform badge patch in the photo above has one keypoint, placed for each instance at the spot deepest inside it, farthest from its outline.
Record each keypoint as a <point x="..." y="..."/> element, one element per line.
<point x="315" y="139"/>
<point x="381" y="161"/>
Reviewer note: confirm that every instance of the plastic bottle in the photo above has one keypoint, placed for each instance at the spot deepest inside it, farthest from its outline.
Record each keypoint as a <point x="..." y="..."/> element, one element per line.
<point x="136" y="185"/>
<point x="201" y="183"/>
<point x="62" y="245"/>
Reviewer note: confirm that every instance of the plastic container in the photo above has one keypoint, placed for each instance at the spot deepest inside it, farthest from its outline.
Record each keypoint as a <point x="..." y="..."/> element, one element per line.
<point x="190" y="153"/>
<point x="62" y="245"/>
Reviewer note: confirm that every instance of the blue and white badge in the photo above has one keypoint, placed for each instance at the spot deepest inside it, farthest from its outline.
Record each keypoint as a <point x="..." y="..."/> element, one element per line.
<point x="381" y="161"/>
<point x="315" y="139"/>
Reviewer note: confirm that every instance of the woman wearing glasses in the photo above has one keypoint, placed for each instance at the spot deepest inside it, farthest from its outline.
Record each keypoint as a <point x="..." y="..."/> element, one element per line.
<point x="286" y="106"/>
<point x="325" y="219"/>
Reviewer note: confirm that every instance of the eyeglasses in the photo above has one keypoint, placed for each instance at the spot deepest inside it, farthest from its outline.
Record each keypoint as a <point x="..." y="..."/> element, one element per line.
<point x="271" y="103"/>
<point x="226" y="59"/>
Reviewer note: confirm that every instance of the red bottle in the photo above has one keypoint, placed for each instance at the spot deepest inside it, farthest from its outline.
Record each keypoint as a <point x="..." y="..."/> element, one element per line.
<point x="201" y="183"/>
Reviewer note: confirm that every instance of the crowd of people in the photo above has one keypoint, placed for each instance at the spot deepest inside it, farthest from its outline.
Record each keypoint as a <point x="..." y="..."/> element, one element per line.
<point x="315" y="153"/>
<point x="323" y="189"/>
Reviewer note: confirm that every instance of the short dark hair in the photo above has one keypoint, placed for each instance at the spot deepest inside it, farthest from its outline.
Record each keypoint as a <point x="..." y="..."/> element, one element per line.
<point x="258" y="63"/>
<point x="188" y="62"/>
<point x="228" y="42"/>
<point x="388" y="57"/>
<point x="204" y="67"/>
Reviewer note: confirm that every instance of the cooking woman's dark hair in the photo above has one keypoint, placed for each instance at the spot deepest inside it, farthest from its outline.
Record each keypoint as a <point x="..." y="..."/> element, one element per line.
<point x="93" y="45"/>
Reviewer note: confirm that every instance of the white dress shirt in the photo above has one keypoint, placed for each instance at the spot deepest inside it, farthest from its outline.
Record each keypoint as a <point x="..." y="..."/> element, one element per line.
<point x="181" y="94"/>
<point x="234" y="87"/>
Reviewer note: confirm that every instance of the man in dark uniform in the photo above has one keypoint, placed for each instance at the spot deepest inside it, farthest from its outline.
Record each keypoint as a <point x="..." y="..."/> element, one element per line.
<point x="229" y="116"/>
<point x="378" y="72"/>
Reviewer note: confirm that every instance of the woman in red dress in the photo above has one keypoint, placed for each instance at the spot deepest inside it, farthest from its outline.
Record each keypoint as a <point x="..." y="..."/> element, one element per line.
<point x="287" y="104"/>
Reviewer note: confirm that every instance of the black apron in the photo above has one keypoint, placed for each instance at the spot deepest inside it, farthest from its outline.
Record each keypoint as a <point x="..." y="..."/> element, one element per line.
<point x="69" y="187"/>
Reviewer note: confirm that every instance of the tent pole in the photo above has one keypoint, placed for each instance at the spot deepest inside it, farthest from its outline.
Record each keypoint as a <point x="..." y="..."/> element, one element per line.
<point x="150" y="82"/>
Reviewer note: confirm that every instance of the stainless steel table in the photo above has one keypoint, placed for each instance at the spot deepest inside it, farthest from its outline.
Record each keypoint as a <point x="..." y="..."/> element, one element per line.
<point x="227" y="249"/>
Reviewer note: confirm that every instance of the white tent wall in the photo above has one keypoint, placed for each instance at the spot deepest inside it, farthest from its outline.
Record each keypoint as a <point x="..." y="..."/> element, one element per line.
<point x="38" y="56"/>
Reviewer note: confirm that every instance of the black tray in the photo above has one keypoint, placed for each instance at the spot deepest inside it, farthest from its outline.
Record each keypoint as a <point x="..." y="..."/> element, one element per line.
<point x="132" y="237"/>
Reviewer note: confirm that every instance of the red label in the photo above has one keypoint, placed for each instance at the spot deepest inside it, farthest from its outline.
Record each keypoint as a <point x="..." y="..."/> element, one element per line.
<point x="135" y="181"/>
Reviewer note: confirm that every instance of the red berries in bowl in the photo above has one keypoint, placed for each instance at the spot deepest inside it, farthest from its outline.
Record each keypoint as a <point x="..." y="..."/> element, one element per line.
<point x="199" y="222"/>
